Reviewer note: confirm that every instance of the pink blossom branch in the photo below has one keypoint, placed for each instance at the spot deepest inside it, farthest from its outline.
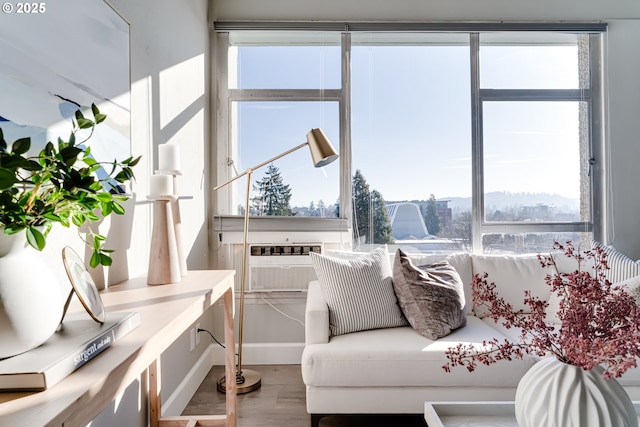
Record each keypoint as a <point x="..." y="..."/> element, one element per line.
<point x="600" y="323"/>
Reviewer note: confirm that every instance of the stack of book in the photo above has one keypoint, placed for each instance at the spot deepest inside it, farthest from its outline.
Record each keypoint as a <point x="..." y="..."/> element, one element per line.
<point x="79" y="340"/>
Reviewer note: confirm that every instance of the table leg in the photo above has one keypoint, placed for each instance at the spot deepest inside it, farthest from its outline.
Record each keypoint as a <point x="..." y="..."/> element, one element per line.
<point x="230" y="359"/>
<point x="154" y="393"/>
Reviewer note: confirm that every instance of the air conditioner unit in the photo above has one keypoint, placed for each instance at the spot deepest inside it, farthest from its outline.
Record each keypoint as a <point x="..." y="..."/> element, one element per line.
<point x="274" y="268"/>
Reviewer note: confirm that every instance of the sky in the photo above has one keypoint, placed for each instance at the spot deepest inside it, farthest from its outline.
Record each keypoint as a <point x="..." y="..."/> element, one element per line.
<point x="411" y="135"/>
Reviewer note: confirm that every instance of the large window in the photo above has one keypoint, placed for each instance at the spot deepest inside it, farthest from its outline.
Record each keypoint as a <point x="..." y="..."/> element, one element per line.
<point x="276" y="87"/>
<point x="479" y="141"/>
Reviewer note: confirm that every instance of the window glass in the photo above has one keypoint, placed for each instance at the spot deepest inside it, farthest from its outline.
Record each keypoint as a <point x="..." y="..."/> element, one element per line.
<point x="264" y="130"/>
<point x="527" y="243"/>
<point x="421" y="178"/>
<point x="529" y="61"/>
<point x="411" y="142"/>
<point x="532" y="161"/>
<point x="290" y="60"/>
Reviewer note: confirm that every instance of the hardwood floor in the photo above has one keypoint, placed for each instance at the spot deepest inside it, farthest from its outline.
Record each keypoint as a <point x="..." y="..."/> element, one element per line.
<point x="280" y="402"/>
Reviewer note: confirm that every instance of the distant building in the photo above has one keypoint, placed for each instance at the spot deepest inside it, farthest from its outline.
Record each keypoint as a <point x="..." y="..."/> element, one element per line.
<point x="444" y="213"/>
<point x="407" y="221"/>
<point x="540" y="212"/>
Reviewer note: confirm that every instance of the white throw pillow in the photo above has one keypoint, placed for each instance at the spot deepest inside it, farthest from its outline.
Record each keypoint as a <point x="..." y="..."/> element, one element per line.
<point x="359" y="292"/>
<point x="565" y="265"/>
<point x="632" y="287"/>
<point x="513" y="275"/>
<point x="621" y="267"/>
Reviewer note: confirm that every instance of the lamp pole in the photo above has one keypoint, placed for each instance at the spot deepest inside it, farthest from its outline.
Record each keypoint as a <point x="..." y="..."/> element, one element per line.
<point x="322" y="153"/>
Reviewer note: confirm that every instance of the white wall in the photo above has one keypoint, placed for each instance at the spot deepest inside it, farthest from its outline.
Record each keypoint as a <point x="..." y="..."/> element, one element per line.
<point x="622" y="68"/>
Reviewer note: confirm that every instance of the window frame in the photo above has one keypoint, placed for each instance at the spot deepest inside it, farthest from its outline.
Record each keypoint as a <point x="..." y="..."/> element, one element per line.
<point x="593" y="96"/>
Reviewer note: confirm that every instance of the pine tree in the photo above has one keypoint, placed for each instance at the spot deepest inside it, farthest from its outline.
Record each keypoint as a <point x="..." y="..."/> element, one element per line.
<point x="382" y="231"/>
<point x="273" y="194"/>
<point x="361" y="195"/>
<point x="370" y="213"/>
<point x="431" y="218"/>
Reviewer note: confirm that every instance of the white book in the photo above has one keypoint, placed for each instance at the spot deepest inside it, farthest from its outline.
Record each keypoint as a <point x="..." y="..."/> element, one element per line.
<point x="78" y="341"/>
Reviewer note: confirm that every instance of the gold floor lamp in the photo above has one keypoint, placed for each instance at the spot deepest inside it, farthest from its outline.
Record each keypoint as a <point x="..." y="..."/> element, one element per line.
<point x="322" y="153"/>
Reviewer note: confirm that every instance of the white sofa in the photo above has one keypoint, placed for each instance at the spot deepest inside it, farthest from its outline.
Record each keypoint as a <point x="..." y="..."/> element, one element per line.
<point x="395" y="370"/>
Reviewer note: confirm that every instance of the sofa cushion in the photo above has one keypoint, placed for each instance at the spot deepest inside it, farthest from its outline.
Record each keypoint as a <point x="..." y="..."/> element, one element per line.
<point x="621" y="267"/>
<point x="430" y="296"/>
<point x="632" y="287"/>
<point x="513" y="275"/>
<point x="359" y="292"/>
<point x="402" y="357"/>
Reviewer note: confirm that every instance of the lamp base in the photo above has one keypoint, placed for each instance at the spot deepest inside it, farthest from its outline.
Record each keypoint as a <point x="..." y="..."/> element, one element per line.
<point x="246" y="382"/>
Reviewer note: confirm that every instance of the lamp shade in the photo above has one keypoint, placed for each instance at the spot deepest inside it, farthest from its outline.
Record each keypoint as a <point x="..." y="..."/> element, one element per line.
<point x="322" y="151"/>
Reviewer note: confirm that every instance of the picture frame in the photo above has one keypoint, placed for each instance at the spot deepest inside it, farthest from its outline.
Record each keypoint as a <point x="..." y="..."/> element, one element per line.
<point x="83" y="286"/>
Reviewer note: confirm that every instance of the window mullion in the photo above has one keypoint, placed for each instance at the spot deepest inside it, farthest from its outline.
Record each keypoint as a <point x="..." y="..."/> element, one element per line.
<point x="597" y="133"/>
<point x="535" y="94"/>
<point x="285" y="94"/>
<point x="477" y="163"/>
<point x="346" y="172"/>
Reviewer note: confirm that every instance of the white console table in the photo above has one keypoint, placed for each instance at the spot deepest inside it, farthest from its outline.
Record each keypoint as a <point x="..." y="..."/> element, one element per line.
<point x="166" y="312"/>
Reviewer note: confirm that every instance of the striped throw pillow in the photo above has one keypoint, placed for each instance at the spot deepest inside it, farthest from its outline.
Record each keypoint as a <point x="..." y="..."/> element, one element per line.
<point x="621" y="267"/>
<point x="359" y="292"/>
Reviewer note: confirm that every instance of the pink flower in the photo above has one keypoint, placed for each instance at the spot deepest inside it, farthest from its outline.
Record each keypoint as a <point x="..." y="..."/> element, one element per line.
<point x="600" y="322"/>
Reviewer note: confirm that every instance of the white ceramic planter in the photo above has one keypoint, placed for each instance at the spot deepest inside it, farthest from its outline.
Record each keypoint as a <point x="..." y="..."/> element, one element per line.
<point x="555" y="394"/>
<point x="30" y="300"/>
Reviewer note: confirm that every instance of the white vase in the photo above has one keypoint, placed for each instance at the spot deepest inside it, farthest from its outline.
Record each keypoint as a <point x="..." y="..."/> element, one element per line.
<point x="556" y="394"/>
<point x="30" y="299"/>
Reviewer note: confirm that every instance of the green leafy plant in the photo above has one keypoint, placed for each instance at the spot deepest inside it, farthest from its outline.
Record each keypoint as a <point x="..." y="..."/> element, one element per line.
<point x="60" y="185"/>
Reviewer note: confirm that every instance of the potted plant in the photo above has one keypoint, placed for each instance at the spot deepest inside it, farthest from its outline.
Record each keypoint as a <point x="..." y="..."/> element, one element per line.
<point x="59" y="185"/>
<point x="594" y="340"/>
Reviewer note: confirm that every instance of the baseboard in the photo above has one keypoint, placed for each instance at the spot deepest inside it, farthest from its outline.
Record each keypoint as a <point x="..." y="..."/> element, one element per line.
<point x="266" y="354"/>
<point x="180" y="398"/>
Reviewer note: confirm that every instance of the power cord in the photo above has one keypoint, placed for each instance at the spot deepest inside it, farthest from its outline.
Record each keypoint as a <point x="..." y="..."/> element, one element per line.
<point x="239" y="377"/>
<point x="214" y="338"/>
<point x="282" y="312"/>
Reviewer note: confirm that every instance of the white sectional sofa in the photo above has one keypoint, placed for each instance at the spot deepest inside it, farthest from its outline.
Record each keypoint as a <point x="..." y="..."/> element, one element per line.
<point x="395" y="370"/>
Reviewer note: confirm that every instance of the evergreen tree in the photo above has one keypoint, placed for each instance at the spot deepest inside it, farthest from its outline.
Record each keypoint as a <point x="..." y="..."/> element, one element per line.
<point x="336" y="211"/>
<point x="370" y="213"/>
<point x="361" y="195"/>
<point x="431" y="218"/>
<point x="273" y="194"/>
<point x="382" y="231"/>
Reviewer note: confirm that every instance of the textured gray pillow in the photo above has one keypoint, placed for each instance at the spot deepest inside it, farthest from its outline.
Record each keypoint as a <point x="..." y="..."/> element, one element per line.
<point x="430" y="296"/>
<point x="358" y="291"/>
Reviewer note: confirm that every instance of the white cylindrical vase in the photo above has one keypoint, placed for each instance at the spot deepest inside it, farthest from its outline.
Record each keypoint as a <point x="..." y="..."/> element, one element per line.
<point x="31" y="303"/>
